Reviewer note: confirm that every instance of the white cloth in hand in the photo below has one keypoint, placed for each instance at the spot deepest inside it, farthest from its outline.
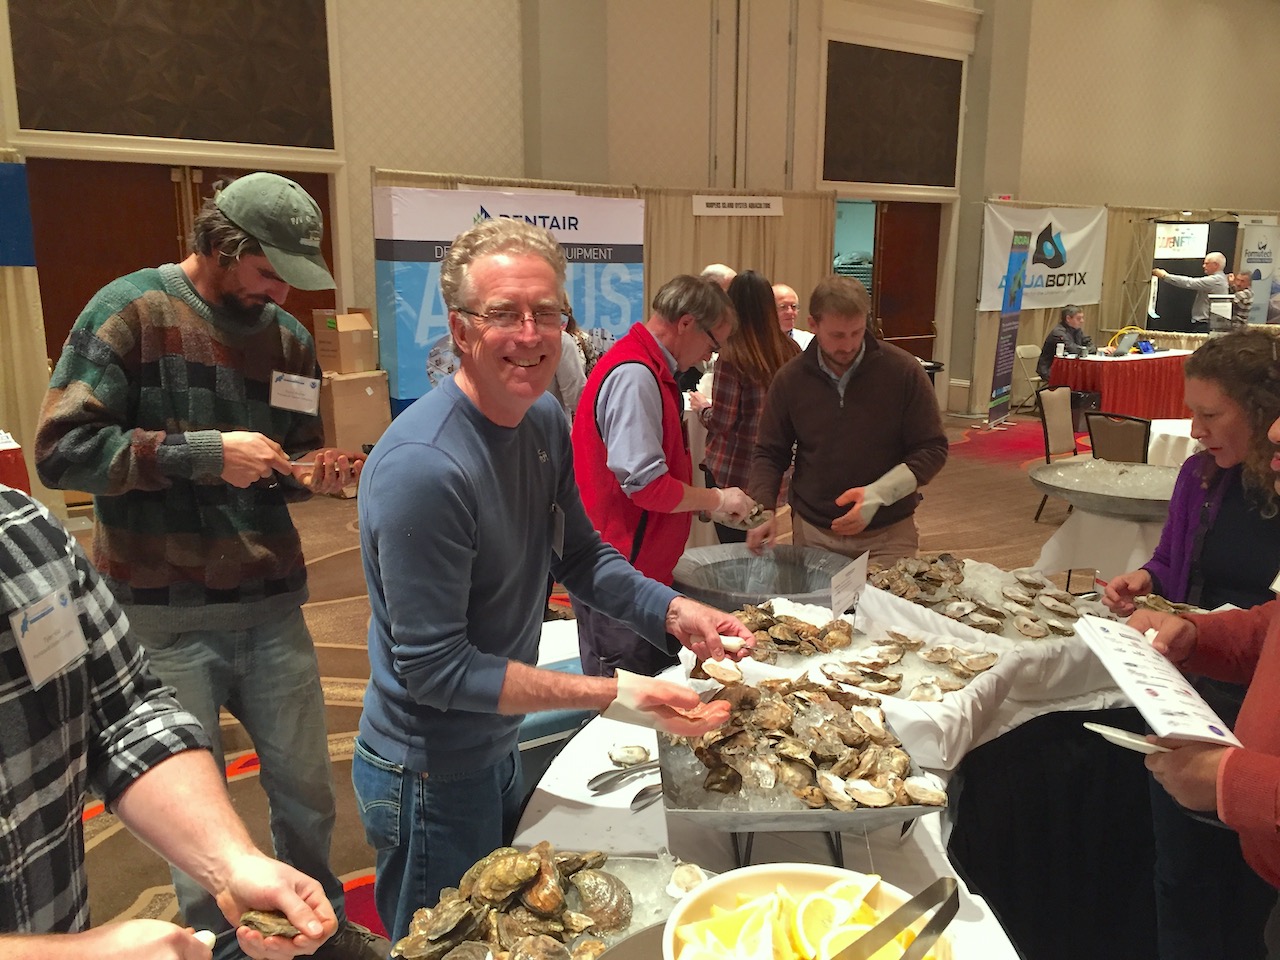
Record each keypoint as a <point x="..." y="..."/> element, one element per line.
<point x="890" y="488"/>
<point x="734" y="507"/>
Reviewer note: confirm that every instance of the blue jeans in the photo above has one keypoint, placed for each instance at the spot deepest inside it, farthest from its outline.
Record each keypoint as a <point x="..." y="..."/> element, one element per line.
<point x="429" y="828"/>
<point x="268" y="677"/>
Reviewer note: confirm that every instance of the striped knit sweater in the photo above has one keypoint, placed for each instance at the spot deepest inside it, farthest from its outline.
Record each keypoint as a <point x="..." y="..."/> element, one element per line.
<point x="149" y="378"/>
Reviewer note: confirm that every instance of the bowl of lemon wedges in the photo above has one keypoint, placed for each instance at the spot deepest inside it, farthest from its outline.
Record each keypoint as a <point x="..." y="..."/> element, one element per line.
<point x="786" y="911"/>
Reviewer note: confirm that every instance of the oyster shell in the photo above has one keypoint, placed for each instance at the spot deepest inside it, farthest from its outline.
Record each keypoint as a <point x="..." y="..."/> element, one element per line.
<point x="726" y="671"/>
<point x="870" y="795"/>
<point x="938" y="654"/>
<point x="922" y="790"/>
<point x="833" y="788"/>
<point x="269" y="923"/>
<point x="926" y="691"/>
<point x="1017" y="595"/>
<point x="504" y="876"/>
<point x="540" y="947"/>
<point x="1030" y="628"/>
<point x="1057" y="626"/>
<point x="604" y="898"/>
<point x="684" y="878"/>
<point x="1053" y="605"/>
<point x="588" y="949"/>
<point x="978" y="660"/>
<point x="905" y="641"/>
<point x="629" y="756"/>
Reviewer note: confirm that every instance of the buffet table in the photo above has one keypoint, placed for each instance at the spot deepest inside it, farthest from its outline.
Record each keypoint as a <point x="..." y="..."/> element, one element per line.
<point x="565" y="812"/>
<point x="1136" y="385"/>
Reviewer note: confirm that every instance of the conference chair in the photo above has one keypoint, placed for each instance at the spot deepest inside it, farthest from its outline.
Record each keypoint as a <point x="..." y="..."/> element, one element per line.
<point x="1118" y="438"/>
<point x="1028" y="355"/>
<point x="1054" y="406"/>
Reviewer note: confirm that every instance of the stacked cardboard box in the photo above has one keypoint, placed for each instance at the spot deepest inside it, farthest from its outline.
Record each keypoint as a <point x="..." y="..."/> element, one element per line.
<point x="354" y="405"/>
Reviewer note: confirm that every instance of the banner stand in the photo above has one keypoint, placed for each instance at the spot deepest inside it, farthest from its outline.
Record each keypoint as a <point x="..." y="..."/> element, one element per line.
<point x="1007" y="338"/>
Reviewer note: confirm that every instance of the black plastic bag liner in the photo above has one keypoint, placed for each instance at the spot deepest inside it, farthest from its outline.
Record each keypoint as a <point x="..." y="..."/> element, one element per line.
<point x="729" y="575"/>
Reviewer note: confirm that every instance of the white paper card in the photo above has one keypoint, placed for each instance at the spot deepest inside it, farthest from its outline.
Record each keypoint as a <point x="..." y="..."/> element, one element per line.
<point x="847" y="584"/>
<point x="292" y="392"/>
<point x="1156" y="687"/>
<point x="49" y="636"/>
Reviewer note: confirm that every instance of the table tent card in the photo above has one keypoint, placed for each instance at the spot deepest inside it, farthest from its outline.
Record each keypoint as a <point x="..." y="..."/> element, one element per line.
<point x="1156" y="687"/>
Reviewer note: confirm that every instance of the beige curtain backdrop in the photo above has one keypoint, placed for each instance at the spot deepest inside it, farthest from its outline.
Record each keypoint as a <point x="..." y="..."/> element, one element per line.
<point x="25" y="367"/>
<point x="795" y="248"/>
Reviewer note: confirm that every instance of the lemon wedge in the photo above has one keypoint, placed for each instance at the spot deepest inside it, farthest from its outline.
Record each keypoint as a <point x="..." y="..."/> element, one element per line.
<point x="816" y="916"/>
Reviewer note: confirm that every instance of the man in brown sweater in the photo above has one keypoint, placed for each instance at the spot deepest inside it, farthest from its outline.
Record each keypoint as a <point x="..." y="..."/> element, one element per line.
<point x="865" y="426"/>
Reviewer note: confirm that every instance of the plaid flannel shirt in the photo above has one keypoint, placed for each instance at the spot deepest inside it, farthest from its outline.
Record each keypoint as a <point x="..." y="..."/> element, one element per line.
<point x="732" y="421"/>
<point x="102" y="722"/>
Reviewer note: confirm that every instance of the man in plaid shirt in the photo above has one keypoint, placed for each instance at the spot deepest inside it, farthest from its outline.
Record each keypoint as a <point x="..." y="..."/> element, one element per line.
<point x="79" y="710"/>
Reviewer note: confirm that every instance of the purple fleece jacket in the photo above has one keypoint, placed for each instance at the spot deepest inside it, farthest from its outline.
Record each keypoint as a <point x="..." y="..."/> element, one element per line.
<point x="1199" y="481"/>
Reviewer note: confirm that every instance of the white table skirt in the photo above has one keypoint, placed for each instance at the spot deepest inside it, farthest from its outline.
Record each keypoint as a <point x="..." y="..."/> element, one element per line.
<point x="1171" y="443"/>
<point x="1091" y="541"/>
<point x="564" y="812"/>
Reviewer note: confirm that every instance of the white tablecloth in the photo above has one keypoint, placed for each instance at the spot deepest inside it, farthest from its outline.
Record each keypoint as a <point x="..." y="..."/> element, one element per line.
<point x="1171" y="443"/>
<point x="1091" y="541"/>
<point x="564" y="812"/>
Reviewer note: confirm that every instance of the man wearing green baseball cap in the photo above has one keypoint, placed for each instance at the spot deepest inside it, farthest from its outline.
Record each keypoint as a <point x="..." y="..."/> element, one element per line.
<point x="186" y="400"/>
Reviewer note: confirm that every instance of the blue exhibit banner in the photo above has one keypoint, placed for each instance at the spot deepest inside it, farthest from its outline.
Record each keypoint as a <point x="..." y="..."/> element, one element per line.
<point x="17" y="245"/>
<point x="1007" y="337"/>
<point x="603" y="242"/>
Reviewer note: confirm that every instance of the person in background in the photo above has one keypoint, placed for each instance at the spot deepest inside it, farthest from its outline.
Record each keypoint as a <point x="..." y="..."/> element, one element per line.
<point x="99" y="719"/>
<point x="1220" y="545"/>
<point x="788" y="305"/>
<point x="1213" y="281"/>
<point x="1238" y="785"/>
<point x="1241" y="285"/>
<point x="863" y="421"/>
<point x="748" y="361"/>
<point x="1069" y="332"/>
<point x="719" y="274"/>
<point x="566" y="385"/>
<point x="467" y="503"/>
<point x="631" y="457"/>
<point x="185" y="401"/>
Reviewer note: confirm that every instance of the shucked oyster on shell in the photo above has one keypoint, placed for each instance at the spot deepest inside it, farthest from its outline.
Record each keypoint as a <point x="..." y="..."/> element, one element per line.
<point x="628" y="756"/>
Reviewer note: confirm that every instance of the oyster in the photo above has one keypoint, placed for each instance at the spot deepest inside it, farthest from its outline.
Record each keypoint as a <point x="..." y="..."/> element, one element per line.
<point x="1057" y="626"/>
<point x="870" y="795"/>
<point x="1017" y="595"/>
<point x="468" y="881"/>
<point x="469" y="950"/>
<point x="629" y="756"/>
<point x="1030" y="578"/>
<point x="544" y="895"/>
<point x="984" y="622"/>
<point x="684" y="878"/>
<point x="1030" y="628"/>
<point x="811" y="797"/>
<point x="938" y="654"/>
<point x="881" y="683"/>
<point x="726" y="671"/>
<point x="504" y="876"/>
<point x="922" y="790"/>
<point x="905" y="641"/>
<point x="947" y="684"/>
<point x="604" y="898"/>
<point x="833" y="788"/>
<point x="978" y="660"/>
<point x="925" y="690"/>
<point x="772" y="713"/>
<point x="1053" y="605"/>
<point x="588" y="949"/>
<point x="540" y="947"/>
<point x="269" y="923"/>
<point x="959" y="609"/>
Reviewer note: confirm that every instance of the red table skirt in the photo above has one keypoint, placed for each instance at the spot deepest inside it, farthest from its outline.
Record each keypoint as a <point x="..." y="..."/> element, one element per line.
<point x="13" y="469"/>
<point x="1150" y="387"/>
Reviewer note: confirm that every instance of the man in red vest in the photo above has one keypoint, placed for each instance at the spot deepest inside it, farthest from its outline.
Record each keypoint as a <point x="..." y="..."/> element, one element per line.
<point x="632" y="463"/>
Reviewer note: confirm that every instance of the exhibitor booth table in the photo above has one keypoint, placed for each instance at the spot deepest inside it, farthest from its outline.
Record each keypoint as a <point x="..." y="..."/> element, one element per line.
<point x="1136" y="385"/>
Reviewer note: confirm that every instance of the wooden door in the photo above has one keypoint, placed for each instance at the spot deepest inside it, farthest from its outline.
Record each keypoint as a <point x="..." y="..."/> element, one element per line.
<point x="905" y="275"/>
<point x="95" y="221"/>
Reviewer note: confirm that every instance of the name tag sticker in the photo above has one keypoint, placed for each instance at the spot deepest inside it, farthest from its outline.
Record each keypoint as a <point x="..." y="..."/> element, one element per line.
<point x="292" y="392"/>
<point x="49" y="636"/>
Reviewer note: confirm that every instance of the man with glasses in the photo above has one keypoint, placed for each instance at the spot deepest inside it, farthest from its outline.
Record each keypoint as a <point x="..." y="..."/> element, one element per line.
<point x="788" y="305"/>
<point x="631" y="456"/>
<point x="466" y="503"/>
<point x="185" y="401"/>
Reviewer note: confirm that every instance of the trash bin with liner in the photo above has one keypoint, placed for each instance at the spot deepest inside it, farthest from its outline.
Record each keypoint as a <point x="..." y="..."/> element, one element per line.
<point x="1082" y="401"/>
<point x="729" y="575"/>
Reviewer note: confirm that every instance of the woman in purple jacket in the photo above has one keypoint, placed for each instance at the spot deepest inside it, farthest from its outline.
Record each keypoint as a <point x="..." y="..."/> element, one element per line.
<point x="1221" y="544"/>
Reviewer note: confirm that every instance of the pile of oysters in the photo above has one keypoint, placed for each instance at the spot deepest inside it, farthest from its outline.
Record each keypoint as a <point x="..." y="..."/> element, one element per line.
<point x="513" y="905"/>
<point x="824" y="745"/>
<point x="780" y="633"/>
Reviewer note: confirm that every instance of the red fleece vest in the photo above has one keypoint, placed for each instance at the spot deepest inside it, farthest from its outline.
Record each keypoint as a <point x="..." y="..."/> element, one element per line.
<point x="653" y="542"/>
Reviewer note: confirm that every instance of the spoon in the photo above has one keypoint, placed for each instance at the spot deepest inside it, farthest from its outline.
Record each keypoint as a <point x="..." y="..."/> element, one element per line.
<point x="646" y="796"/>
<point x="613" y="778"/>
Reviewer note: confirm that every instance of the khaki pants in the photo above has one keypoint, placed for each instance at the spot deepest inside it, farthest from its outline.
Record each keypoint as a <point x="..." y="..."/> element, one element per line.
<point x="887" y="545"/>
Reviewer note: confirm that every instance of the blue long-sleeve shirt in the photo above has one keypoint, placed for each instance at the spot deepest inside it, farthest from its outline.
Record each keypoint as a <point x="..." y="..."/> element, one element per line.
<point x="457" y="529"/>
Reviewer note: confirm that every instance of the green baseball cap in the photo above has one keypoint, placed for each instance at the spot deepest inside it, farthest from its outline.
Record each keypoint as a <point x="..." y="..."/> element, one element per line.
<point x="284" y="219"/>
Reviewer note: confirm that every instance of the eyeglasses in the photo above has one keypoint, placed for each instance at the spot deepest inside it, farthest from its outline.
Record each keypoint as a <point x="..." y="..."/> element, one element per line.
<point x="544" y="318"/>
<point x="715" y="344"/>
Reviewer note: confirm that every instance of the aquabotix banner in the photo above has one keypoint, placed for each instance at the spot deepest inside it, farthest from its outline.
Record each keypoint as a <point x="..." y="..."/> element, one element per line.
<point x="1064" y="265"/>
<point x="603" y="241"/>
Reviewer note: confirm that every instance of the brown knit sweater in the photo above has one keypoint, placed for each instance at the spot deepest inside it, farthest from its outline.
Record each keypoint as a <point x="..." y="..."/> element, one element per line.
<point x="889" y="415"/>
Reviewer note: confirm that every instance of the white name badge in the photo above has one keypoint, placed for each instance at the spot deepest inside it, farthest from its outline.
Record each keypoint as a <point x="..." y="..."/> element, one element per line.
<point x="49" y="636"/>
<point x="292" y="392"/>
